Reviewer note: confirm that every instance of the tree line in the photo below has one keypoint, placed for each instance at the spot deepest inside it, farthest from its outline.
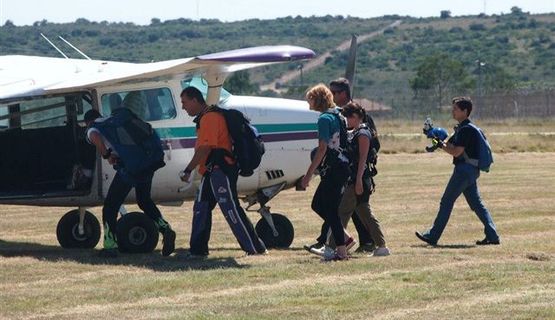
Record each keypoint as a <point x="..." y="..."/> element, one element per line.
<point x="423" y="60"/>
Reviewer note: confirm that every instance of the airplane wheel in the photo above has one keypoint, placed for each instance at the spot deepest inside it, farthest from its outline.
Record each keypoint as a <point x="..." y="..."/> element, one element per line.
<point x="68" y="234"/>
<point x="283" y="227"/>
<point x="136" y="233"/>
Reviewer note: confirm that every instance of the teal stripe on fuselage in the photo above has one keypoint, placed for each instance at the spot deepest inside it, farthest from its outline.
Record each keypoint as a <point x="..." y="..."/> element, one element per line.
<point x="190" y="132"/>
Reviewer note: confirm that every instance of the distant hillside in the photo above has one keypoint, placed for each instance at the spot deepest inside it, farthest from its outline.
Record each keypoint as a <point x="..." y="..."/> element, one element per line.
<point x="519" y="47"/>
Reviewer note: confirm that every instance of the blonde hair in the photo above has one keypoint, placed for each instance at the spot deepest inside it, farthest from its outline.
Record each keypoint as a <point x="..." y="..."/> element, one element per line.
<point x="322" y="96"/>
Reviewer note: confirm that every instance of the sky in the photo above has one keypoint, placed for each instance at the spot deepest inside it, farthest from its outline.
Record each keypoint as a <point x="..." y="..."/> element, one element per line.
<point x="26" y="12"/>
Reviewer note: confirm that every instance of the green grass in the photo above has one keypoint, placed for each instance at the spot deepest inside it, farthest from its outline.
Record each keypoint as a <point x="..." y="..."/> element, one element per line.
<point x="457" y="280"/>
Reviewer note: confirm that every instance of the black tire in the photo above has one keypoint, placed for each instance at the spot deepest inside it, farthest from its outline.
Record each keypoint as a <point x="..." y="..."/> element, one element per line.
<point x="136" y="233"/>
<point x="285" y="230"/>
<point x="68" y="235"/>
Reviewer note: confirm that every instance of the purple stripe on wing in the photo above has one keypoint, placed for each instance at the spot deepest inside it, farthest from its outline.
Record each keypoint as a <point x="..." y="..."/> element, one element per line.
<point x="261" y="54"/>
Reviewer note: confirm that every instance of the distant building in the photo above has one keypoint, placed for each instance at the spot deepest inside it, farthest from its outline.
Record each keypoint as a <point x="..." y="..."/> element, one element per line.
<point x="375" y="108"/>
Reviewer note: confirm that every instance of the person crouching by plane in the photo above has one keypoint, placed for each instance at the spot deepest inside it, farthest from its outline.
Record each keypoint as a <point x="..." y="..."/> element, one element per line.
<point x="464" y="178"/>
<point x="118" y="190"/>
<point x="357" y="194"/>
<point x="219" y="179"/>
<point x="333" y="178"/>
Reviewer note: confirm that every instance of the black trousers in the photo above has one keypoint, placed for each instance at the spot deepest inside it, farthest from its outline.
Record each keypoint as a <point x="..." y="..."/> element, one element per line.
<point x="118" y="191"/>
<point x="326" y="204"/>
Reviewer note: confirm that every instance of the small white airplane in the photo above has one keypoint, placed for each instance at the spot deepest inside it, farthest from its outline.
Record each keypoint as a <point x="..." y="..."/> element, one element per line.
<point x="45" y="157"/>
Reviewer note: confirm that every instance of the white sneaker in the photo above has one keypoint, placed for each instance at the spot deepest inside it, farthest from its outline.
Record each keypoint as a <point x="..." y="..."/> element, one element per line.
<point x="381" y="252"/>
<point x="318" y="251"/>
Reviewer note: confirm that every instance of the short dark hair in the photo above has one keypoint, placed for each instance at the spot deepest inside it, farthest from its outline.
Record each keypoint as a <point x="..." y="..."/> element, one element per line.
<point x="463" y="103"/>
<point x="193" y="93"/>
<point x="341" y="84"/>
<point x="91" y="115"/>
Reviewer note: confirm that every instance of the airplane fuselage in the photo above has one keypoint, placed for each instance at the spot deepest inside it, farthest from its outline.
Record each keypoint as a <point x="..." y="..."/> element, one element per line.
<point x="287" y="127"/>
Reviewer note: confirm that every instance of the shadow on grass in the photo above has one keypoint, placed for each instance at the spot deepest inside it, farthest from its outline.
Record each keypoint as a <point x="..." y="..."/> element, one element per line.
<point x="153" y="261"/>
<point x="445" y="246"/>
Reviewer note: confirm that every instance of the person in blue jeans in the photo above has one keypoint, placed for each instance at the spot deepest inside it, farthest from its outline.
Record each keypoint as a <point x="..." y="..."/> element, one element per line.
<point x="464" y="144"/>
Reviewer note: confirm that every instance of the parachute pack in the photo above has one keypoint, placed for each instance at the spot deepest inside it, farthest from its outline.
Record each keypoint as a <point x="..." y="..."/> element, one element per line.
<point x="485" y="156"/>
<point x="137" y="144"/>
<point x="247" y="145"/>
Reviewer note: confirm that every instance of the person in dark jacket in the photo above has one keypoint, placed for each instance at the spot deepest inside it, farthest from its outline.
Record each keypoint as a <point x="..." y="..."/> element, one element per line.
<point x="464" y="178"/>
<point x="118" y="190"/>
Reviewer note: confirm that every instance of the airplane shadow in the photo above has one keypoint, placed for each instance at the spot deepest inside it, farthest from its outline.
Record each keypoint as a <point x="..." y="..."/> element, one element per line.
<point x="153" y="261"/>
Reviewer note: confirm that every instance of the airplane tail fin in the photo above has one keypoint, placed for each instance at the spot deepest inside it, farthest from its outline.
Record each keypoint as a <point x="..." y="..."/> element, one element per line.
<point x="351" y="63"/>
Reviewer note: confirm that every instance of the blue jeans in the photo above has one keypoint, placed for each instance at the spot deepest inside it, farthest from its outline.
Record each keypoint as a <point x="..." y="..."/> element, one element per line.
<point x="463" y="180"/>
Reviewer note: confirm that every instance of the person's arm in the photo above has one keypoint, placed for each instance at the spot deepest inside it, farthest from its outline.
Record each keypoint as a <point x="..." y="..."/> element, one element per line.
<point x="200" y="153"/>
<point x="322" y="148"/>
<point x="455" y="146"/>
<point x="452" y="149"/>
<point x="96" y="139"/>
<point x="363" y="147"/>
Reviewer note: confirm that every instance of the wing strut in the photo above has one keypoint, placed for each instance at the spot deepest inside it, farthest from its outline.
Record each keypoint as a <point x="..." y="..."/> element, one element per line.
<point x="53" y="45"/>
<point x="74" y="48"/>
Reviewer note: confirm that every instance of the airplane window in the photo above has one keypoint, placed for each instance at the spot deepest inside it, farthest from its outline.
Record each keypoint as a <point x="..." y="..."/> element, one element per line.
<point x="44" y="112"/>
<point x="149" y="104"/>
<point x="202" y="85"/>
<point x="3" y="118"/>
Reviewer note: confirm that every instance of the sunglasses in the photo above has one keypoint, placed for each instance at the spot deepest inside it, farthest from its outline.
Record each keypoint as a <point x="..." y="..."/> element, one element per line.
<point x="336" y="91"/>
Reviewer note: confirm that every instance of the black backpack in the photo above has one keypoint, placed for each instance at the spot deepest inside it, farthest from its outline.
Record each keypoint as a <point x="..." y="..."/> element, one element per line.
<point x="375" y="143"/>
<point x="247" y="144"/>
<point x="372" y="157"/>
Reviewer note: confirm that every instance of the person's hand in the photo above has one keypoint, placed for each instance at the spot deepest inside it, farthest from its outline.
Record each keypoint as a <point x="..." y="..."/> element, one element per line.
<point x="305" y="181"/>
<point x="358" y="187"/>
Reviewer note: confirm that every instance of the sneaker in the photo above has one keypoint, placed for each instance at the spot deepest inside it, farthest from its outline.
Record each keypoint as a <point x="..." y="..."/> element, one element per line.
<point x="317" y="251"/>
<point x="349" y="243"/>
<point x="108" y="253"/>
<point x="486" y="242"/>
<point x="425" y="239"/>
<point x="323" y="251"/>
<point x="381" y="252"/>
<point x="329" y="252"/>
<point x="168" y="242"/>
<point x="316" y="245"/>
<point x="366" y="248"/>
<point x="335" y="257"/>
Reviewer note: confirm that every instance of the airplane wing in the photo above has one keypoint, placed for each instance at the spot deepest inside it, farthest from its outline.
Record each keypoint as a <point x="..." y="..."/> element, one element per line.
<point x="29" y="75"/>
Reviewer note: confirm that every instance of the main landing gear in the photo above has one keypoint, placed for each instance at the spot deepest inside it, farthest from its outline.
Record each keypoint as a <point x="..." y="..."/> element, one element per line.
<point x="274" y="229"/>
<point x="79" y="228"/>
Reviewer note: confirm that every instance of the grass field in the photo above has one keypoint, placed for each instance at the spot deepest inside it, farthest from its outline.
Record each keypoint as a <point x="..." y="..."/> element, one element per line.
<point x="456" y="280"/>
<point x="508" y="135"/>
